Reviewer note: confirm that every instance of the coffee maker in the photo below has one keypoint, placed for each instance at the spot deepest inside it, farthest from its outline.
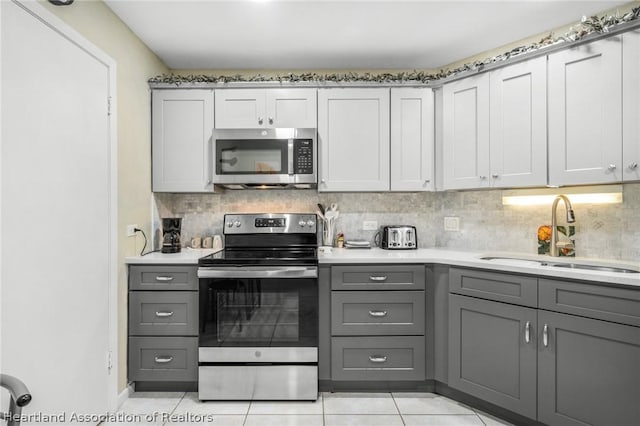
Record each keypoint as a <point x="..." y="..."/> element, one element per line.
<point x="171" y="234"/>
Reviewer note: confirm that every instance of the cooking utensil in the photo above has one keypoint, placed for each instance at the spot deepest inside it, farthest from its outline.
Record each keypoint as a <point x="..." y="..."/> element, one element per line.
<point x="322" y="209"/>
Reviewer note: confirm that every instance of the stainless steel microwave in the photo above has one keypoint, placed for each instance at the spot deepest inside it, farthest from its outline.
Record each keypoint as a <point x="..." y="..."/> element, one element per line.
<point x="265" y="158"/>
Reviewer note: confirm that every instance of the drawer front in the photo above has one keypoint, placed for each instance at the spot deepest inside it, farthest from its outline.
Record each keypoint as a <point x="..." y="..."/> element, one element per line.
<point x="377" y="313"/>
<point x="378" y="358"/>
<point x="509" y="288"/>
<point x="595" y="301"/>
<point x="158" y="277"/>
<point x="371" y="277"/>
<point x="163" y="359"/>
<point x="163" y="313"/>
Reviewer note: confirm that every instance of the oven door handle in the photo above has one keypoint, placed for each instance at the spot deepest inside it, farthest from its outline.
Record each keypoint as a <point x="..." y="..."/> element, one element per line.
<point x="258" y="272"/>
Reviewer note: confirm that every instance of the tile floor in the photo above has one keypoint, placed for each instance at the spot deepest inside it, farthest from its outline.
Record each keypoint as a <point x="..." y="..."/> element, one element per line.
<point x="331" y="409"/>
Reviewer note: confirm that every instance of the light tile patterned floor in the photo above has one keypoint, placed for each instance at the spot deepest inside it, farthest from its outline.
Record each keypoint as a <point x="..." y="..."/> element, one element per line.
<point x="331" y="409"/>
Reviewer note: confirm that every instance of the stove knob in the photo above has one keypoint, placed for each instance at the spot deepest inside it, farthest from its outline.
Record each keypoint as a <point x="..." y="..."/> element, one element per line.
<point x="302" y="223"/>
<point x="229" y="224"/>
<point x="237" y="223"/>
<point x="310" y="223"/>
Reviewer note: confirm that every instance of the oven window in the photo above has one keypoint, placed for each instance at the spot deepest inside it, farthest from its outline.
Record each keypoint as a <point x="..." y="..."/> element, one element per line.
<point x="258" y="312"/>
<point x="251" y="156"/>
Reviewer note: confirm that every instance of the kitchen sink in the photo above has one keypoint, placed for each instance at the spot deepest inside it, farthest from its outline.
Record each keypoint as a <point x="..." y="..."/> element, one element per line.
<point x="524" y="261"/>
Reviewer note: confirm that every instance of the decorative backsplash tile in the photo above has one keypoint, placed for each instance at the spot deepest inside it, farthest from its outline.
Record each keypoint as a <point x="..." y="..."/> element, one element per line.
<point x="609" y="231"/>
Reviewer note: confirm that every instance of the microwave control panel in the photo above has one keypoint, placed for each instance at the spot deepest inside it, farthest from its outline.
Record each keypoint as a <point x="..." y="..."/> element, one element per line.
<point x="303" y="156"/>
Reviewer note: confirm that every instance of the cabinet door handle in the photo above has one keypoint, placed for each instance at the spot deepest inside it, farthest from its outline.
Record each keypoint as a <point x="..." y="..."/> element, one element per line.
<point x="378" y="313"/>
<point x="633" y="166"/>
<point x="377" y="358"/>
<point x="527" y="332"/>
<point x="612" y="167"/>
<point x="545" y="335"/>
<point x="164" y="278"/>
<point x="260" y="120"/>
<point x="164" y="314"/>
<point x="163" y="359"/>
<point x="378" y="278"/>
<point x="270" y="120"/>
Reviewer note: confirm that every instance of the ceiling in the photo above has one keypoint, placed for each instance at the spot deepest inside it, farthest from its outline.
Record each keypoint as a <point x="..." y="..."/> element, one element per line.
<point x="343" y="34"/>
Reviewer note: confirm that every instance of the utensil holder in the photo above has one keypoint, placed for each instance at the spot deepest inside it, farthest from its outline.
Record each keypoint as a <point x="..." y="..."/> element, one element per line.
<point x="327" y="232"/>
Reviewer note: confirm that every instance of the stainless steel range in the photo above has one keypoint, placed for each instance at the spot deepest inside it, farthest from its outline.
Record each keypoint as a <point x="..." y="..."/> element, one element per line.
<point x="259" y="310"/>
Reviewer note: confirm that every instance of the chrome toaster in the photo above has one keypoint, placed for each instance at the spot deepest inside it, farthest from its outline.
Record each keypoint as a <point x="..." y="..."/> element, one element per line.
<point x="398" y="237"/>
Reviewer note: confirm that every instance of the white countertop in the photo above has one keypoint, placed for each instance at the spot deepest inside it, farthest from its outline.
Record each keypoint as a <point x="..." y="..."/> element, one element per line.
<point x="473" y="259"/>
<point x="525" y="264"/>
<point x="187" y="256"/>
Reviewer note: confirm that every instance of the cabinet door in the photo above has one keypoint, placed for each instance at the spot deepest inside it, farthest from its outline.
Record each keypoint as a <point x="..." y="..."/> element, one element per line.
<point x="589" y="371"/>
<point x="518" y="125"/>
<point x="492" y="356"/>
<point x="182" y="125"/>
<point x="292" y="108"/>
<point x="240" y="109"/>
<point x="585" y="114"/>
<point x="631" y="106"/>
<point x="353" y="138"/>
<point x="465" y="124"/>
<point x="412" y="139"/>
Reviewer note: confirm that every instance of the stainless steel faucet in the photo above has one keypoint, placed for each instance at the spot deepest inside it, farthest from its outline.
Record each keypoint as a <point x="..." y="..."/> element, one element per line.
<point x="554" y="250"/>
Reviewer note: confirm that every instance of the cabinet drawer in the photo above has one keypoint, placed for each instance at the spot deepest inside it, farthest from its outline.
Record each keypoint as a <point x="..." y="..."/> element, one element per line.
<point x="595" y="301"/>
<point x="515" y="289"/>
<point x="377" y="313"/>
<point x="163" y="359"/>
<point x="156" y="277"/>
<point x="378" y="358"/>
<point x="384" y="277"/>
<point x="163" y="313"/>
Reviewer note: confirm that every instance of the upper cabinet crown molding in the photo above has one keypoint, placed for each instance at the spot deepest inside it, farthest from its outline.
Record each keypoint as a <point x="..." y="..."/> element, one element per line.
<point x="265" y="108"/>
<point x="585" y="114"/>
<point x="182" y="127"/>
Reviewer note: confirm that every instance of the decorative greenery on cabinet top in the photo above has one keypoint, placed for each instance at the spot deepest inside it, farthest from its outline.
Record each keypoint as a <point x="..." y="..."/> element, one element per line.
<point x="587" y="26"/>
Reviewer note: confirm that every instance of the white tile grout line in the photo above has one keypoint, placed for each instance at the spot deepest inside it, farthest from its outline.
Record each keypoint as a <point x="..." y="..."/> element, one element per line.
<point x="397" y="408"/>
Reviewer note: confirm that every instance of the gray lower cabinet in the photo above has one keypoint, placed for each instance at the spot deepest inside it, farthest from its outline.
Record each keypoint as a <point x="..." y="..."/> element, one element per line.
<point x="492" y="352"/>
<point x="377" y="323"/>
<point x="163" y="326"/>
<point x="589" y="371"/>
<point x="378" y="358"/>
<point x="573" y="358"/>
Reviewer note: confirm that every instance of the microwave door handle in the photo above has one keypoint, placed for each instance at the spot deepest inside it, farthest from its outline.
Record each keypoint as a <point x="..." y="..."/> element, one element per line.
<point x="290" y="156"/>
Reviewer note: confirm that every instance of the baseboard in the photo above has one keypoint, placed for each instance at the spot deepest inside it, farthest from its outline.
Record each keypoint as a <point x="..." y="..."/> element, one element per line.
<point x="124" y="395"/>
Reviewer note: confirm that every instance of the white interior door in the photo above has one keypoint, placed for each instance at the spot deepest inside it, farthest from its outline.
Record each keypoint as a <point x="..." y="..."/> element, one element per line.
<point x="58" y="204"/>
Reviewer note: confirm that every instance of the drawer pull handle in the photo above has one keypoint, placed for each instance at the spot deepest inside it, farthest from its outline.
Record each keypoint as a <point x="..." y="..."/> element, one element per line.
<point x="164" y="278"/>
<point x="378" y="358"/>
<point x="378" y="278"/>
<point x="163" y="359"/>
<point x="545" y="335"/>
<point x="378" y="313"/>
<point x="164" y="314"/>
<point x="527" y="332"/>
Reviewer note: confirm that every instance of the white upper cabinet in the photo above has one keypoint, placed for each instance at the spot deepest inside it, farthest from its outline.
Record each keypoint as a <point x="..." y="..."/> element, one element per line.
<point x="585" y="114"/>
<point x="353" y="139"/>
<point x="412" y="139"/>
<point x="465" y="133"/>
<point x="518" y="125"/>
<point x="265" y="108"/>
<point x="182" y="126"/>
<point x="631" y="106"/>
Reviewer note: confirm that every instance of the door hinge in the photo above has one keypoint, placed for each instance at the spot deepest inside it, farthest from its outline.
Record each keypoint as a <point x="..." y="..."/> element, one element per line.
<point x="109" y="361"/>
<point x="109" y="105"/>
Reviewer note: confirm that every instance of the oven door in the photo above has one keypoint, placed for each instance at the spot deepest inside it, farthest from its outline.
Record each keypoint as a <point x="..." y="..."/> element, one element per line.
<point x="258" y="307"/>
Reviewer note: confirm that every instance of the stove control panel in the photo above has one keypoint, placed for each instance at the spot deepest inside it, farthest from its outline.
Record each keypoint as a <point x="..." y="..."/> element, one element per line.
<point x="269" y="223"/>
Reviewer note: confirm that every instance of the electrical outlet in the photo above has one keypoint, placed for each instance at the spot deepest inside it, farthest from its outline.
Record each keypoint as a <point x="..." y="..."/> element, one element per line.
<point x="131" y="230"/>
<point x="452" y="223"/>
<point x="369" y="225"/>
